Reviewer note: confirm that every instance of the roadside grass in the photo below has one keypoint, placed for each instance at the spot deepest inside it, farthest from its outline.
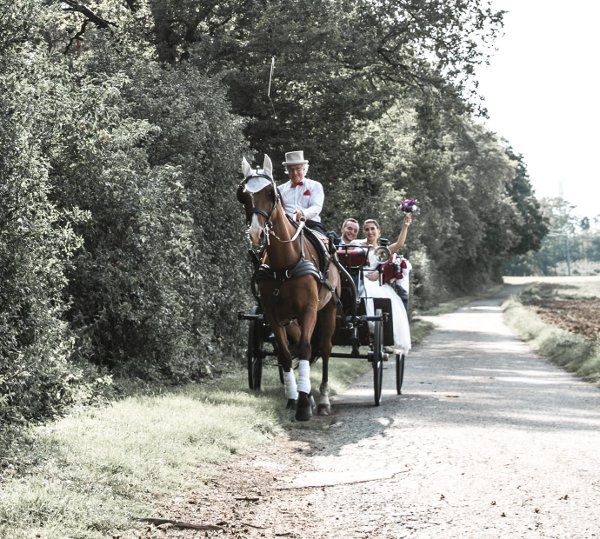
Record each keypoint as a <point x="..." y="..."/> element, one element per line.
<point x="91" y="474"/>
<point x="419" y="329"/>
<point x="573" y="352"/>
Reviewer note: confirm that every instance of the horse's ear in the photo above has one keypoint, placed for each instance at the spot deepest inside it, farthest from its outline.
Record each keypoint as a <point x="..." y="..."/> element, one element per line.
<point x="240" y="193"/>
<point x="268" y="166"/>
<point x="246" y="168"/>
<point x="244" y="197"/>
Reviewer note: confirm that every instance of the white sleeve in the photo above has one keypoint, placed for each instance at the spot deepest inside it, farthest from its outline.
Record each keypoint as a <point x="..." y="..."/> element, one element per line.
<point x="287" y="197"/>
<point x="315" y="201"/>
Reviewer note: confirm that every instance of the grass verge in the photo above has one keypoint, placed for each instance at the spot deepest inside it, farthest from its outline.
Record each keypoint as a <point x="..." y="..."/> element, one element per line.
<point x="93" y="473"/>
<point x="573" y="352"/>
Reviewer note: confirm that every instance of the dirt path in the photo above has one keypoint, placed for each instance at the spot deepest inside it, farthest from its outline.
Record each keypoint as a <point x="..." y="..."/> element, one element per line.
<point x="488" y="440"/>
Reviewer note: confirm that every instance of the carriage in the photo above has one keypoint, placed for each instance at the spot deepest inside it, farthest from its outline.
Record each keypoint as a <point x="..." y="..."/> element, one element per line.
<point x="357" y="334"/>
<point x="307" y="300"/>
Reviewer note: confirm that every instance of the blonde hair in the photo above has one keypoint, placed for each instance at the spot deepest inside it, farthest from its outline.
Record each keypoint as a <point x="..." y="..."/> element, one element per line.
<point x="367" y="221"/>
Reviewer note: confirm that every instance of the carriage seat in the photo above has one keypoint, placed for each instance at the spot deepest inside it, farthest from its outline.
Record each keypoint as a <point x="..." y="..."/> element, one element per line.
<point x="354" y="258"/>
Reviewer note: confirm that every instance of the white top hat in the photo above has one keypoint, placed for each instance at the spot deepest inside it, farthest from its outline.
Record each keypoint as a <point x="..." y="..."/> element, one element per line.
<point x="295" y="158"/>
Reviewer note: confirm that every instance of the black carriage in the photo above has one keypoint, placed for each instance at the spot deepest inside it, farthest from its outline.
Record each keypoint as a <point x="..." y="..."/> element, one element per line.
<point x="367" y="336"/>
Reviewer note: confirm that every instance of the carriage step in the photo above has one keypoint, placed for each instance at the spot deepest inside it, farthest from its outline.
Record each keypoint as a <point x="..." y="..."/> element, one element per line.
<point x="381" y="318"/>
<point x="250" y="316"/>
<point x="384" y="357"/>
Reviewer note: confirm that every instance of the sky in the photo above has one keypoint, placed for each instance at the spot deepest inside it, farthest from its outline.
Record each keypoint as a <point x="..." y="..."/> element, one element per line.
<point x="542" y="95"/>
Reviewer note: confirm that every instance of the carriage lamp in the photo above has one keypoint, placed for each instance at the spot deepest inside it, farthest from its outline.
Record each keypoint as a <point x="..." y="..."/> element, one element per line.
<point x="382" y="253"/>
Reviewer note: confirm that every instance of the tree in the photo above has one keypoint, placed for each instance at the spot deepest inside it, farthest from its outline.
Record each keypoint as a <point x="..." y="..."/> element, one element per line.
<point x="556" y="246"/>
<point x="532" y="226"/>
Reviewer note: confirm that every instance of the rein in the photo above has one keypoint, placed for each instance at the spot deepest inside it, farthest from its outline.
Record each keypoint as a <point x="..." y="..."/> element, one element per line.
<point x="293" y="238"/>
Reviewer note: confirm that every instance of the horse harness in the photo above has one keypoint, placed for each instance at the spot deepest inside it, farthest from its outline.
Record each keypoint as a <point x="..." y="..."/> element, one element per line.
<point x="264" y="272"/>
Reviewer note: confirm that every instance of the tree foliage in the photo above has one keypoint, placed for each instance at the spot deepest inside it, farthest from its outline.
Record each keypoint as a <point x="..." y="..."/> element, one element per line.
<point x="123" y="127"/>
<point x="570" y="245"/>
<point x="37" y="243"/>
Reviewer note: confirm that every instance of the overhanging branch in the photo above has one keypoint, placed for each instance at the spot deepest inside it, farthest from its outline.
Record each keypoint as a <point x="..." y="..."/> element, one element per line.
<point x="89" y="14"/>
<point x="90" y="17"/>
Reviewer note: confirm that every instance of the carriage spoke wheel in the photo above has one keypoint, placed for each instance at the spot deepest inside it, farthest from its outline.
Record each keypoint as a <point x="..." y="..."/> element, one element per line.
<point x="378" y="357"/>
<point x="255" y="353"/>
<point x="400" y="360"/>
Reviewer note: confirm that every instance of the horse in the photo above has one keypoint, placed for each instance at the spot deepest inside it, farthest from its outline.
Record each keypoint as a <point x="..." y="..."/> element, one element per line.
<point x="299" y="300"/>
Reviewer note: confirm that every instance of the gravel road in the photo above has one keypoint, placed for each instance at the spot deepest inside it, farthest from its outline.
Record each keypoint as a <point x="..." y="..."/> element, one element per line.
<point x="488" y="440"/>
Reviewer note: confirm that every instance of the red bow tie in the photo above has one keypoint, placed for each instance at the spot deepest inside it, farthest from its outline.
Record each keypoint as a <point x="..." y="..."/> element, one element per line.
<point x="297" y="184"/>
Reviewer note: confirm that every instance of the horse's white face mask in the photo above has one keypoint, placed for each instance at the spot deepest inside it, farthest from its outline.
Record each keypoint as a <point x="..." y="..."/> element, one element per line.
<point x="256" y="180"/>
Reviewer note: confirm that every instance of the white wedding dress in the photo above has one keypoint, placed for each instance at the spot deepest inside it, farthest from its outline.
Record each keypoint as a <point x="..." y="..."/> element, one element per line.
<point x="372" y="289"/>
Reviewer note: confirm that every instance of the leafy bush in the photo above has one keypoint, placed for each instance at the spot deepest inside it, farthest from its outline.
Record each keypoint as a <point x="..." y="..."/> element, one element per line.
<point x="36" y="245"/>
<point x="152" y="156"/>
<point x="204" y="141"/>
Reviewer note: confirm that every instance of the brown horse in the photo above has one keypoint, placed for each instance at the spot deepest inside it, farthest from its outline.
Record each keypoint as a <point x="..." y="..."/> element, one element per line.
<point x="296" y="297"/>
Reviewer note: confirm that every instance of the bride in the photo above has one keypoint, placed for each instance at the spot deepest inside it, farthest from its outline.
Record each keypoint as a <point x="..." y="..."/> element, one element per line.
<point x="373" y="288"/>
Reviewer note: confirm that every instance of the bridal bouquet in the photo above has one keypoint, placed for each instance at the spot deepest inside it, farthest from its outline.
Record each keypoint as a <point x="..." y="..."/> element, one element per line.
<point x="409" y="205"/>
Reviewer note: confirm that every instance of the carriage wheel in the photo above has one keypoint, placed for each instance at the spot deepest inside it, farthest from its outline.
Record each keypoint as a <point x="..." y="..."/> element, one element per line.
<point x="254" y="353"/>
<point x="400" y="359"/>
<point x="378" y="357"/>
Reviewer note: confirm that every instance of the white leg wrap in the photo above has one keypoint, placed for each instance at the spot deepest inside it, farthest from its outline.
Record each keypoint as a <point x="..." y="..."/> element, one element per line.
<point x="289" y="383"/>
<point x="304" y="376"/>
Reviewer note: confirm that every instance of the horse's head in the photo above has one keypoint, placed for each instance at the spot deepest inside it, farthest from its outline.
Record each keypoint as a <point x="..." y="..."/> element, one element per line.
<point x="259" y="195"/>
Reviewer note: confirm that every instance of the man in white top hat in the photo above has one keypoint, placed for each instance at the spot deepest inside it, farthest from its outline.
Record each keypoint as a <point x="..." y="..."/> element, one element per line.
<point x="302" y="197"/>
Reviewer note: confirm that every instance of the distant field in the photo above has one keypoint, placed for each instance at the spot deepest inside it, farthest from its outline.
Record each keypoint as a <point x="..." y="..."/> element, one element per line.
<point x="571" y="303"/>
<point x="591" y="282"/>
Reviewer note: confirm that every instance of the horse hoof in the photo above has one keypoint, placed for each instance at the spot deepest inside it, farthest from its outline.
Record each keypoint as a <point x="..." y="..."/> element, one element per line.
<point x="303" y="407"/>
<point x="324" y="409"/>
<point x="303" y="414"/>
<point x="291" y="404"/>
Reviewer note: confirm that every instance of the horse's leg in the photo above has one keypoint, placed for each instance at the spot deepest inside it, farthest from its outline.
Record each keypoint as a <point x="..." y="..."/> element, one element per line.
<point x="285" y="360"/>
<point x="304" y="405"/>
<point x="323" y="404"/>
<point x="327" y="320"/>
<point x="293" y="332"/>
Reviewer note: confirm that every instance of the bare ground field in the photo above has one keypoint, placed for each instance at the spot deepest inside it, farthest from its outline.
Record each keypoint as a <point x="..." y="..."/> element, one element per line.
<point x="570" y="303"/>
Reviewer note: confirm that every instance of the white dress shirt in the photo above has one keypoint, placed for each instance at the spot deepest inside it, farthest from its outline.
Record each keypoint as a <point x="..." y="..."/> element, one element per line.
<point x="308" y="197"/>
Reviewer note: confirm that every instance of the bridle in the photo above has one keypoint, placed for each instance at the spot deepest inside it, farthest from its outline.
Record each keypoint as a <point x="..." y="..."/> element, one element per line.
<point x="276" y="199"/>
